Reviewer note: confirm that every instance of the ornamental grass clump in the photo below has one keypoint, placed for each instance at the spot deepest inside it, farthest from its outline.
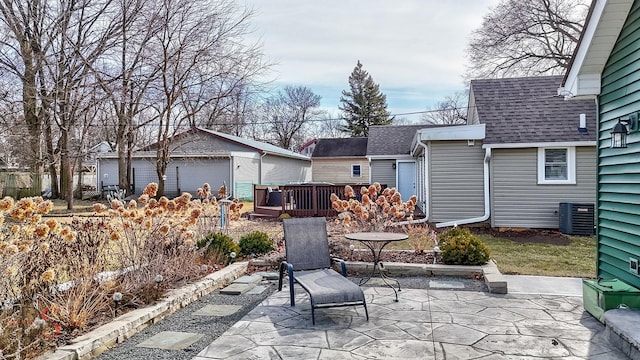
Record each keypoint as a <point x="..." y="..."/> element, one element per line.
<point x="421" y="237"/>
<point x="460" y="247"/>
<point x="376" y="210"/>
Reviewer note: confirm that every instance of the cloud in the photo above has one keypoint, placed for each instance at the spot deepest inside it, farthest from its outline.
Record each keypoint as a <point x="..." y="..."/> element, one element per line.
<point x="410" y="47"/>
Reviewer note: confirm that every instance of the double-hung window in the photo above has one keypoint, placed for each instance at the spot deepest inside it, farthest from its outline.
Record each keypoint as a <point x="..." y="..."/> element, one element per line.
<point x="557" y="165"/>
<point x="356" y="171"/>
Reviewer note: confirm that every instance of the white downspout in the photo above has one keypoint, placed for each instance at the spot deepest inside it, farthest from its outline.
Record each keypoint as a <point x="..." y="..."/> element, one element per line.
<point x="424" y="187"/>
<point x="260" y="177"/>
<point x="487" y="202"/>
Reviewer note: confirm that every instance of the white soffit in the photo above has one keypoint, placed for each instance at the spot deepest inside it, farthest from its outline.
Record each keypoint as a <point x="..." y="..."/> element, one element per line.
<point x="598" y="39"/>
<point x="462" y="132"/>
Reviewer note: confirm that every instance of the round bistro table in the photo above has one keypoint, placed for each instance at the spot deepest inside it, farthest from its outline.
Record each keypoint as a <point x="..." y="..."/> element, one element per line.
<point x="376" y="241"/>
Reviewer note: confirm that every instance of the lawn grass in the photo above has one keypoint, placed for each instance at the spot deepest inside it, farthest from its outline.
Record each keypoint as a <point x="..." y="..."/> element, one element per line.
<point x="578" y="259"/>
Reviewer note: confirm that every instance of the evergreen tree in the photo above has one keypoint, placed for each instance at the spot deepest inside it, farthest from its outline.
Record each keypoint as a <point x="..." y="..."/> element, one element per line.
<point x="364" y="105"/>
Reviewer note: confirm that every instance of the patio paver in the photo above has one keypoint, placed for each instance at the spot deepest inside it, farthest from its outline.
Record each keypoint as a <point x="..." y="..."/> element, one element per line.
<point x="424" y="324"/>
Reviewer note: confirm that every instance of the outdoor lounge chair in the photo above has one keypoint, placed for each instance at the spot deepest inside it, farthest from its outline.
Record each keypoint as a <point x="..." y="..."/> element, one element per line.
<point x="308" y="263"/>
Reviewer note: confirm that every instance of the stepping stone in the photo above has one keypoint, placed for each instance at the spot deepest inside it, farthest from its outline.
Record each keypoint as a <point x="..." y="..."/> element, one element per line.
<point x="248" y="279"/>
<point x="446" y="284"/>
<point x="268" y="275"/>
<point x="218" y="310"/>
<point x="257" y="290"/>
<point x="237" y="289"/>
<point x="170" y="340"/>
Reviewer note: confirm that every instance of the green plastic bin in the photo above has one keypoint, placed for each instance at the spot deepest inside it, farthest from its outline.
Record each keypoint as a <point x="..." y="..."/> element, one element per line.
<point x="603" y="295"/>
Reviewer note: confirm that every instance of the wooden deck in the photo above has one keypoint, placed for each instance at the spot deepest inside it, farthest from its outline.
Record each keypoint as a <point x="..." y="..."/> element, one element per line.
<point x="300" y="200"/>
<point x="295" y="200"/>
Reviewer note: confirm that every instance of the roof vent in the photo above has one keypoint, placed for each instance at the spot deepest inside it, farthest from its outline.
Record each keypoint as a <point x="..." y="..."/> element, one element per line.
<point x="582" y="127"/>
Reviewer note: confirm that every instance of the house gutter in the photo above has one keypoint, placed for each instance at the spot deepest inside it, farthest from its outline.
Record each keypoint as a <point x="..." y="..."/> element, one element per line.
<point x="425" y="189"/>
<point x="487" y="202"/>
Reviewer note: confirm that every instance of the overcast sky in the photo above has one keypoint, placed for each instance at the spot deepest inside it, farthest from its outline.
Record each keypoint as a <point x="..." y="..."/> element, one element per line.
<point x="414" y="49"/>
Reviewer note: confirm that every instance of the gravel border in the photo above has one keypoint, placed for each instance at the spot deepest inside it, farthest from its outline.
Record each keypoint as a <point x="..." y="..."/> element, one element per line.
<point x="183" y="320"/>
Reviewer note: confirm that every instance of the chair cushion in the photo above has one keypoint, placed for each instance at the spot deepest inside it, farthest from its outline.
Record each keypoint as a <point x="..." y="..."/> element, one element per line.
<point x="327" y="286"/>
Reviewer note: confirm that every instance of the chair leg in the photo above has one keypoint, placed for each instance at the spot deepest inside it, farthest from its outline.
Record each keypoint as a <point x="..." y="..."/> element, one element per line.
<point x="313" y="315"/>
<point x="281" y="275"/>
<point x="292" y="293"/>
<point x="366" y="312"/>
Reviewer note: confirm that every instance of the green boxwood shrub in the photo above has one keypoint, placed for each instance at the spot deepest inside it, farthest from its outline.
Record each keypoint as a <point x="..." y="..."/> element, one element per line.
<point x="459" y="246"/>
<point x="218" y="244"/>
<point x="256" y="243"/>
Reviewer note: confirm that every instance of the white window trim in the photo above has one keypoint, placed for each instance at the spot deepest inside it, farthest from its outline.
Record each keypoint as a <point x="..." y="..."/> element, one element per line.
<point x="352" y="166"/>
<point x="571" y="166"/>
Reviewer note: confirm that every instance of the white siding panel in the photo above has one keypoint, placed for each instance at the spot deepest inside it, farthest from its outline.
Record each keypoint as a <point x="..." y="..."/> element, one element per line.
<point x="281" y="170"/>
<point x="193" y="173"/>
<point x="107" y="172"/>
<point x="338" y="171"/>
<point x="144" y="172"/>
<point x="246" y="173"/>
<point x="456" y="180"/>
<point x="200" y="142"/>
<point x="382" y="171"/>
<point x="518" y="200"/>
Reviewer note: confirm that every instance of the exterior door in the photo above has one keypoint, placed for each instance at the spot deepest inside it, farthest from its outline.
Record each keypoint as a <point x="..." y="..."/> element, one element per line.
<point x="406" y="179"/>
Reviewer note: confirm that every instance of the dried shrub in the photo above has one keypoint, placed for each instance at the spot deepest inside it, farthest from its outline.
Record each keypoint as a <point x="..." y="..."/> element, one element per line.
<point x="376" y="210"/>
<point x="62" y="276"/>
<point x="256" y="243"/>
<point x="460" y="247"/>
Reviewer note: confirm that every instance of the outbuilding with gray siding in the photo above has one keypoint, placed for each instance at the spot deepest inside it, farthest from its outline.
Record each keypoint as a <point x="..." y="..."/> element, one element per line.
<point x="201" y="156"/>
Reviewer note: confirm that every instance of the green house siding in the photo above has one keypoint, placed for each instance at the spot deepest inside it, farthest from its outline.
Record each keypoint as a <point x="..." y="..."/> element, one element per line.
<point x="619" y="169"/>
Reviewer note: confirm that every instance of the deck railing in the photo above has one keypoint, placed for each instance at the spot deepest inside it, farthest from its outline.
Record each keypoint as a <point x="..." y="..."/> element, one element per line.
<point x="303" y="200"/>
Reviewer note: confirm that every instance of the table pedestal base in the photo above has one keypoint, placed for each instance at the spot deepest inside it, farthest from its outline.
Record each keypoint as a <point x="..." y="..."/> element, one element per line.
<point x="378" y="267"/>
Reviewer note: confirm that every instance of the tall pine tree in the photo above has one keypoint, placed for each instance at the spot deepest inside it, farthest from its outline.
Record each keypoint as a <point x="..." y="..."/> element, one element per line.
<point x="364" y="105"/>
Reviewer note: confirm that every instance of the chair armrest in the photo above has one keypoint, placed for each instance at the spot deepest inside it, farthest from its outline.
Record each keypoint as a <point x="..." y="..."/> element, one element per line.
<point x="289" y="268"/>
<point x="343" y="266"/>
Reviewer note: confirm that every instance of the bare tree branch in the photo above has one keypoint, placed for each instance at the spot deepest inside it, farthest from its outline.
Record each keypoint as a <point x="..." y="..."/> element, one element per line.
<point x="524" y="38"/>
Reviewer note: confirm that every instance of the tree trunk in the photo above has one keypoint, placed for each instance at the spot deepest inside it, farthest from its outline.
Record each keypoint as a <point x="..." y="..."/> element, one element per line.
<point x="53" y="172"/>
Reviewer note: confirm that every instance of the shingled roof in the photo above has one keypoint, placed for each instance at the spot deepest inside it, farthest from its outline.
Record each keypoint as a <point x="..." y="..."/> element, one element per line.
<point x="340" y="147"/>
<point x="528" y="110"/>
<point x="392" y="140"/>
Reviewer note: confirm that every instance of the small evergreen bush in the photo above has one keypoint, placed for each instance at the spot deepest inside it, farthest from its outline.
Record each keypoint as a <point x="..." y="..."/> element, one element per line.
<point x="257" y="243"/>
<point x="218" y="245"/>
<point x="460" y="247"/>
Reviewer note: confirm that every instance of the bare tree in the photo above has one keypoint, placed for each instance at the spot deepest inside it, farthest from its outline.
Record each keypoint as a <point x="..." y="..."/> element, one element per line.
<point x="22" y="48"/>
<point x="451" y="111"/>
<point x="327" y="125"/>
<point x="524" y="38"/>
<point x="82" y="33"/>
<point x="125" y="77"/>
<point x="202" y="58"/>
<point x="287" y="112"/>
